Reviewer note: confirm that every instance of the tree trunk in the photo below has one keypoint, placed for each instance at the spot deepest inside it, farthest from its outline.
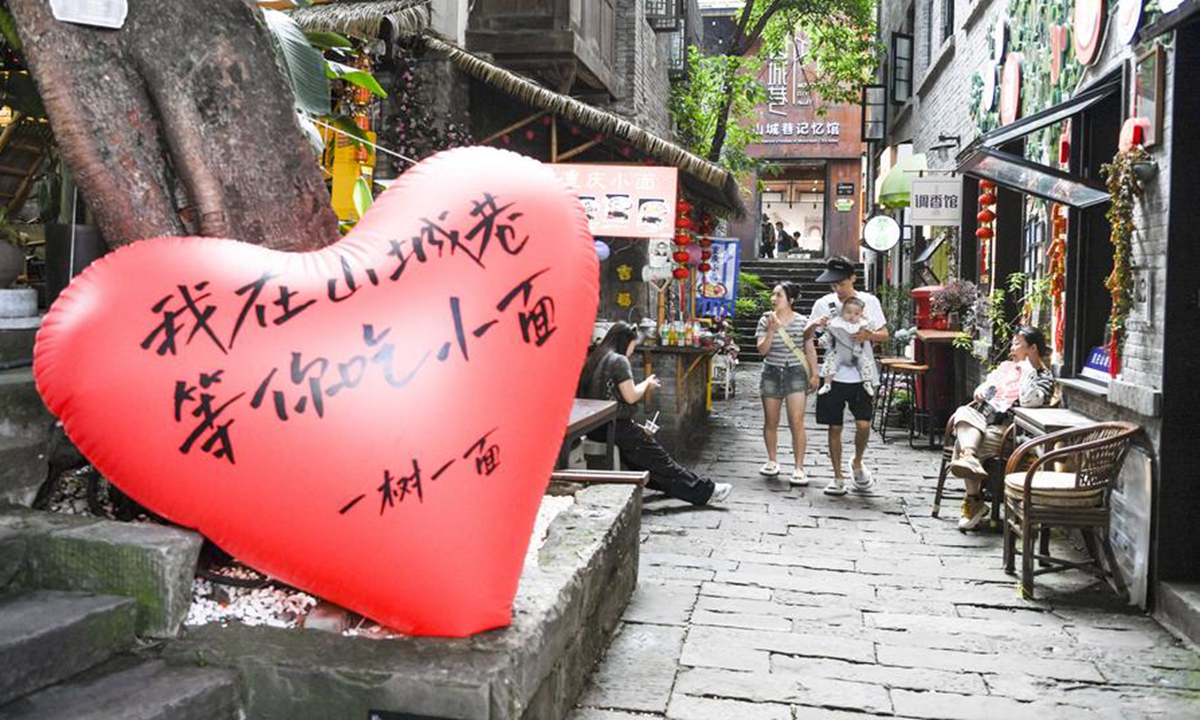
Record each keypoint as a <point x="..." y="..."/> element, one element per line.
<point x="722" y="129"/>
<point x="179" y="123"/>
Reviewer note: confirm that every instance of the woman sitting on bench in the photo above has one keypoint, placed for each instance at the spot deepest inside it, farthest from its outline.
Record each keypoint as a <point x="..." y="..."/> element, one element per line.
<point x="608" y="375"/>
<point x="1024" y="380"/>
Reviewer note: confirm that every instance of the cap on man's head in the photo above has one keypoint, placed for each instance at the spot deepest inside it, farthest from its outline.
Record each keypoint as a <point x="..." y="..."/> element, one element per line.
<point x="837" y="269"/>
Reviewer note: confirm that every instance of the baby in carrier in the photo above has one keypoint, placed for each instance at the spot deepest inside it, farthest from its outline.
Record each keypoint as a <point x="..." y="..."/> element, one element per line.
<point x="840" y="348"/>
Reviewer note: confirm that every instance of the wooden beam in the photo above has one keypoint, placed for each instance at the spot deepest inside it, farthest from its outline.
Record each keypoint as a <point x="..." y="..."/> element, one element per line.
<point x="553" y="138"/>
<point x="26" y="185"/>
<point x="515" y="126"/>
<point x="577" y="150"/>
<point x="10" y="130"/>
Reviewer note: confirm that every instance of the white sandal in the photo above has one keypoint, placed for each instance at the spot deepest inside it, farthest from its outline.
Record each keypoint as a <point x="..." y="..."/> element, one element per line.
<point x="770" y="469"/>
<point x="799" y="478"/>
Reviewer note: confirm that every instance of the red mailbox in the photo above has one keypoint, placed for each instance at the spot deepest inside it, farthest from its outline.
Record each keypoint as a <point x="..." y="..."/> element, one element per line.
<point x="923" y="300"/>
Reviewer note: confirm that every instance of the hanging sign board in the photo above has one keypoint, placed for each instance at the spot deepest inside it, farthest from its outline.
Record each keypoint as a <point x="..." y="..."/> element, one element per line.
<point x="935" y="201"/>
<point x="845" y="188"/>
<point x="624" y="200"/>
<point x="99" y="13"/>
<point x="1129" y="14"/>
<point x="881" y="233"/>
<point x="844" y="205"/>
<point x="717" y="289"/>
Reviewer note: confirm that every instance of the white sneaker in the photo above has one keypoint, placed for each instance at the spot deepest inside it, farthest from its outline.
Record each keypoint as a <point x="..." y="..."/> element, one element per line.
<point x="799" y="478"/>
<point x="720" y="493"/>
<point x="836" y="486"/>
<point x="770" y="468"/>
<point x="863" y="479"/>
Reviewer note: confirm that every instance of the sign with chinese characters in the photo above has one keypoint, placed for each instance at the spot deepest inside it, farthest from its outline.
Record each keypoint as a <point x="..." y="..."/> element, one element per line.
<point x="99" y="13"/>
<point x="800" y="132"/>
<point x="717" y="288"/>
<point x="844" y="205"/>
<point x="846" y="188"/>
<point x="935" y="201"/>
<point x="624" y="200"/>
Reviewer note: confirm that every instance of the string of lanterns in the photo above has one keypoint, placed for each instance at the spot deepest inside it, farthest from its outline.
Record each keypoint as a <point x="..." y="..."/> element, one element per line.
<point x="986" y="232"/>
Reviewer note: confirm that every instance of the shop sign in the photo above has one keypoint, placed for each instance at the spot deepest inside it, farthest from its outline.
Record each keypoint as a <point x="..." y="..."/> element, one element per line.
<point x="781" y="91"/>
<point x="717" y="289"/>
<point x="1097" y="365"/>
<point x="1088" y="29"/>
<point x="98" y="13"/>
<point x="800" y="132"/>
<point x="1129" y="14"/>
<point x="624" y="200"/>
<point x="935" y="201"/>
<point x="881" y="233"/>
<point x="845" y="188"/>
<point x="844" y="205"/>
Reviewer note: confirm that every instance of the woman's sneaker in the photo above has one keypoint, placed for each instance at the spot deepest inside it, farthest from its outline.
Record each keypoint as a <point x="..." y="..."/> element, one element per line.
<point x="770" y="468"/>
<point x="967" y="467"/>
<point x="836" y="486"/>
<point x="799" y="478"/>
<point x="720" y="493"/>
<point x="974" y="511"/>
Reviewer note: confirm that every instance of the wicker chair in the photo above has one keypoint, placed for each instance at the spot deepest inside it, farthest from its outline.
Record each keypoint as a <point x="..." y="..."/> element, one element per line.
<point x="1039" y="498"/>
<point x="993" y="489"/>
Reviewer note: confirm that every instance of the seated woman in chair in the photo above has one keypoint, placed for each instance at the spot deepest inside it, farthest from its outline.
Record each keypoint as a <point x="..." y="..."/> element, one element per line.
<point x="608" y="375"/>
<point x="1024" y="380"/>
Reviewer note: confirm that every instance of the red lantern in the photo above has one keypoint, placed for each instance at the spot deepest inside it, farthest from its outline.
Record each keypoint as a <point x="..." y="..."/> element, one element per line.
<point x="684" y="222"/>
<point x="705" y="242"/>
<point x="530" y="135"/>
<point x="683" y="239"/>
<point x="987" y="199"/>
<point x="681" y="273"/>
<point x="985" y="216"/>
<point x="984" y="233"/>
<point x="546" y="120"/>
<point x="705" y="254"/>
<point x="987" y="185"/>
<point x="683" y="206"/>
<point x="705" y="267"/>
<point x="680" y="256"/>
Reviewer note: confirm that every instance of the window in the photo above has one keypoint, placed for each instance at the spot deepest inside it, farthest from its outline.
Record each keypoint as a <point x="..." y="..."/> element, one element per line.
<point x="947" y="19"/>
<point x="874" y="112"/>
<point x="927" y="36"/>
<point x="902" y="67"/>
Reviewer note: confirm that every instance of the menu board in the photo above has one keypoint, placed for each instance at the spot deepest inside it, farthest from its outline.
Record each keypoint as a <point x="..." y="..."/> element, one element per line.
<point x="624" y="200"/>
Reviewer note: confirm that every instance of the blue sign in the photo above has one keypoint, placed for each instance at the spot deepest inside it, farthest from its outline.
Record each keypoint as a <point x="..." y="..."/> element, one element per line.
<point x="1097" y="365"/>
<point x="716" y="290"/>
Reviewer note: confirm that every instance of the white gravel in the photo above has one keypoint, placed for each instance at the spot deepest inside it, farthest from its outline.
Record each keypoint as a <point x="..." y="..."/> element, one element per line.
<point x="285" y="607"/>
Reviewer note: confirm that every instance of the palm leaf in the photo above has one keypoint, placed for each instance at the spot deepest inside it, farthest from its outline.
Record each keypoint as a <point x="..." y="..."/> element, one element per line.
<point x="302" y="63"/>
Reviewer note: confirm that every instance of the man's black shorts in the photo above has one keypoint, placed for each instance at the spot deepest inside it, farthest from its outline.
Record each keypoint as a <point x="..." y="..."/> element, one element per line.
<point x="831" y="407"/>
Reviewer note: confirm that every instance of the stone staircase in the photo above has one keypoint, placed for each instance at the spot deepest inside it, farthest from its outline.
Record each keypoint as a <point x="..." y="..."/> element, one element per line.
<point x="773" y="272"/>
<point x="82" y="604"/>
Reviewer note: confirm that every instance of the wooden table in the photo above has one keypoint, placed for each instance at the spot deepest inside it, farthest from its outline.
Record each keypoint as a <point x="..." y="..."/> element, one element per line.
<point x="586" y="416"/>
<point x="937" y="336"/>
<point x="1042" y="421"/>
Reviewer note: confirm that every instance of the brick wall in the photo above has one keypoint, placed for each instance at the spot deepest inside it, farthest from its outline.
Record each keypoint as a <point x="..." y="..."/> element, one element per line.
<point x="642" y="67"/>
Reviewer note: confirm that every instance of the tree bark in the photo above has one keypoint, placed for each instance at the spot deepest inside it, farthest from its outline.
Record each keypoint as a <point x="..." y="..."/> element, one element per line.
<point x="179" y="123"/>
<point x="722" y="129"/>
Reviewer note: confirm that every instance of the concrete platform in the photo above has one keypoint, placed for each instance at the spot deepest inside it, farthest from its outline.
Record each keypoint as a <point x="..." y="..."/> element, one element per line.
<point x="564" y="613"/>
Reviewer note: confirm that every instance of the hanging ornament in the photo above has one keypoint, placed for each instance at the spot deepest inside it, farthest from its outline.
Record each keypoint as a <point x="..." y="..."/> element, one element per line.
<point x="681" y="273"/>
<point x="987" y="199"/>
<point x="706" y="255"/>
<point x="530" y="135"/>
<point x="985" y="233"/>
<point x="705" y="267"/>
<point x="705" y="242"/>
<point x="683" y="239"/>
<point x="684" y="222"/>
<point x="602" y="250"/>
<point x="680" y="256"/>
<point x="985" y="216"/>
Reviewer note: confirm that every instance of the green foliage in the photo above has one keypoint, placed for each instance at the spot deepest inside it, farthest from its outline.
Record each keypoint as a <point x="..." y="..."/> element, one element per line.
<point x="302" y="64"/>
<point x="755" y="296"/>
<point x="354" y="76"/>
<point x="714" y="107"/>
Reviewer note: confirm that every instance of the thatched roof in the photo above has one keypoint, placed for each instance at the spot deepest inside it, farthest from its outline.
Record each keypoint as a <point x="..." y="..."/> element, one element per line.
<point x="701" y="177"/>
<point x="365" y="18"/>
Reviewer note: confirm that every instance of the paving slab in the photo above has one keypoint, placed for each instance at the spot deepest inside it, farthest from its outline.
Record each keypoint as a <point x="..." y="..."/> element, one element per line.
<point x="787" y="603"/>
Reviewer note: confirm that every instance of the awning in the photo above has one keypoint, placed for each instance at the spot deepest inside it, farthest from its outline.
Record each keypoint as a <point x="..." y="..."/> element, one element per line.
<point x="984" y="159"/>
<point x="896" y="187"/>
<point x="1082" y="101"/>
<point x="1034" y="178"/>
<point x="364" y="19"/>
<point x="704" y="179"/>
<point x="1169" y="20"/>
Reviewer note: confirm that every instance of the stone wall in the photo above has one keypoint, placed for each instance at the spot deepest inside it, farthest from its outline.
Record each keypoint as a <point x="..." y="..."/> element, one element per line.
<point x="642" y="67"/>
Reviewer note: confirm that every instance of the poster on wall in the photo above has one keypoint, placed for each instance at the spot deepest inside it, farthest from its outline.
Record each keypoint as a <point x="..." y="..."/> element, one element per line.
<point x="716" y="290"/>
<point x="624" y="200"/>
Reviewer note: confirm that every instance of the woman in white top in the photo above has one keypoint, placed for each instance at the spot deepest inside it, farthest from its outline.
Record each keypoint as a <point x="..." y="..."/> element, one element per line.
<point x="787" y="376"/>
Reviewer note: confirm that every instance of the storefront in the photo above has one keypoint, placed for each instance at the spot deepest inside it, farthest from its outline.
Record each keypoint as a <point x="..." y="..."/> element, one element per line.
<point x="815" y="191"/>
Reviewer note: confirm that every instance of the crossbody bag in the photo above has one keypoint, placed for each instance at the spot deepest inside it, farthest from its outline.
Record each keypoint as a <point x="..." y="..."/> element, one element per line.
<point x="786" y="337"/>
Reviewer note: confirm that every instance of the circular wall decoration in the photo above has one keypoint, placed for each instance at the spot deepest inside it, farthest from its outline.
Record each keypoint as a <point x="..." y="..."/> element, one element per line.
<point x="988" y="99"/>
<point x="1088" y="29"/>
<point x="881" y="233"/>
<point x="999" y="39"/>
<point x="1010" y="89"/>
<point x="1129" y="14"/>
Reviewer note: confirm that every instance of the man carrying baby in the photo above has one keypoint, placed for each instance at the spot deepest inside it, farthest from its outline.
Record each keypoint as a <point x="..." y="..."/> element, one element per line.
<point x="841" y="349"/>
<point x="847" y="385"/>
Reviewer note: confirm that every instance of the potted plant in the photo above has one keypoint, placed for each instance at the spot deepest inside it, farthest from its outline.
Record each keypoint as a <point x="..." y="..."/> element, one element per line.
<point x="952" y="302"/>
<point x="901" y="404"/>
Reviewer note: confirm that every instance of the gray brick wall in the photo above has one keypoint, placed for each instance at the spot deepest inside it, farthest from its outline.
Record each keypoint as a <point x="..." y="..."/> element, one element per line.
<point x="642" y="67"/>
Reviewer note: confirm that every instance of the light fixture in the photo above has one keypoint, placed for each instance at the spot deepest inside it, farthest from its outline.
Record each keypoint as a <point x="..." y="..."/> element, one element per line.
<point x="944" y="145"/>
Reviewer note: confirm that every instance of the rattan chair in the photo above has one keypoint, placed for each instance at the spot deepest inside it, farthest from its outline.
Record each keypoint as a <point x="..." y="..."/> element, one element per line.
<point x="1077" y="496"/>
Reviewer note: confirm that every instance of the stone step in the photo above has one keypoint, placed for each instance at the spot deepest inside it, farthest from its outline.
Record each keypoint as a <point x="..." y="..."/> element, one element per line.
<point x="25" y="427"/>
<point x="133" y="689"/>
<point x="47" y="636"/>
<point x="1178" y="609"/>
<point x="154" y="564"/>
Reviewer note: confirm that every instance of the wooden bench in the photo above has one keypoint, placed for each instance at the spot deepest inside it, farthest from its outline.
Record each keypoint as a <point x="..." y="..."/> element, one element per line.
<point x="602" y="477"/>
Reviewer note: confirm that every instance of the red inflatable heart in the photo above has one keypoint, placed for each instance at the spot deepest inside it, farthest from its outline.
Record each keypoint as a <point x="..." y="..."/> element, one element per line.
<point x="374" y="422"/>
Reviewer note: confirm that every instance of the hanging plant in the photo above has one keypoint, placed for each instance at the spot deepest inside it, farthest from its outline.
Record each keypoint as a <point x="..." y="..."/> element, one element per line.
<point x="1125" y="189"/>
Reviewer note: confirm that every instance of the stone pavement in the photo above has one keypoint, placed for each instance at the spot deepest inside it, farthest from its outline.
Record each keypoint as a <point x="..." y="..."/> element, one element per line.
<point x="786" y="603"/>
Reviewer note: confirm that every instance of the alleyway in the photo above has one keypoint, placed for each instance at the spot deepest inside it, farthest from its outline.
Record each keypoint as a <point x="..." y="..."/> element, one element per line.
<point x="790" y="604"/>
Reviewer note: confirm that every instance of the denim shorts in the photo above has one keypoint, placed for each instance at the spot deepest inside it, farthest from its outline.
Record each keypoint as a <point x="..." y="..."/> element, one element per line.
<point x="779" y="382"/>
